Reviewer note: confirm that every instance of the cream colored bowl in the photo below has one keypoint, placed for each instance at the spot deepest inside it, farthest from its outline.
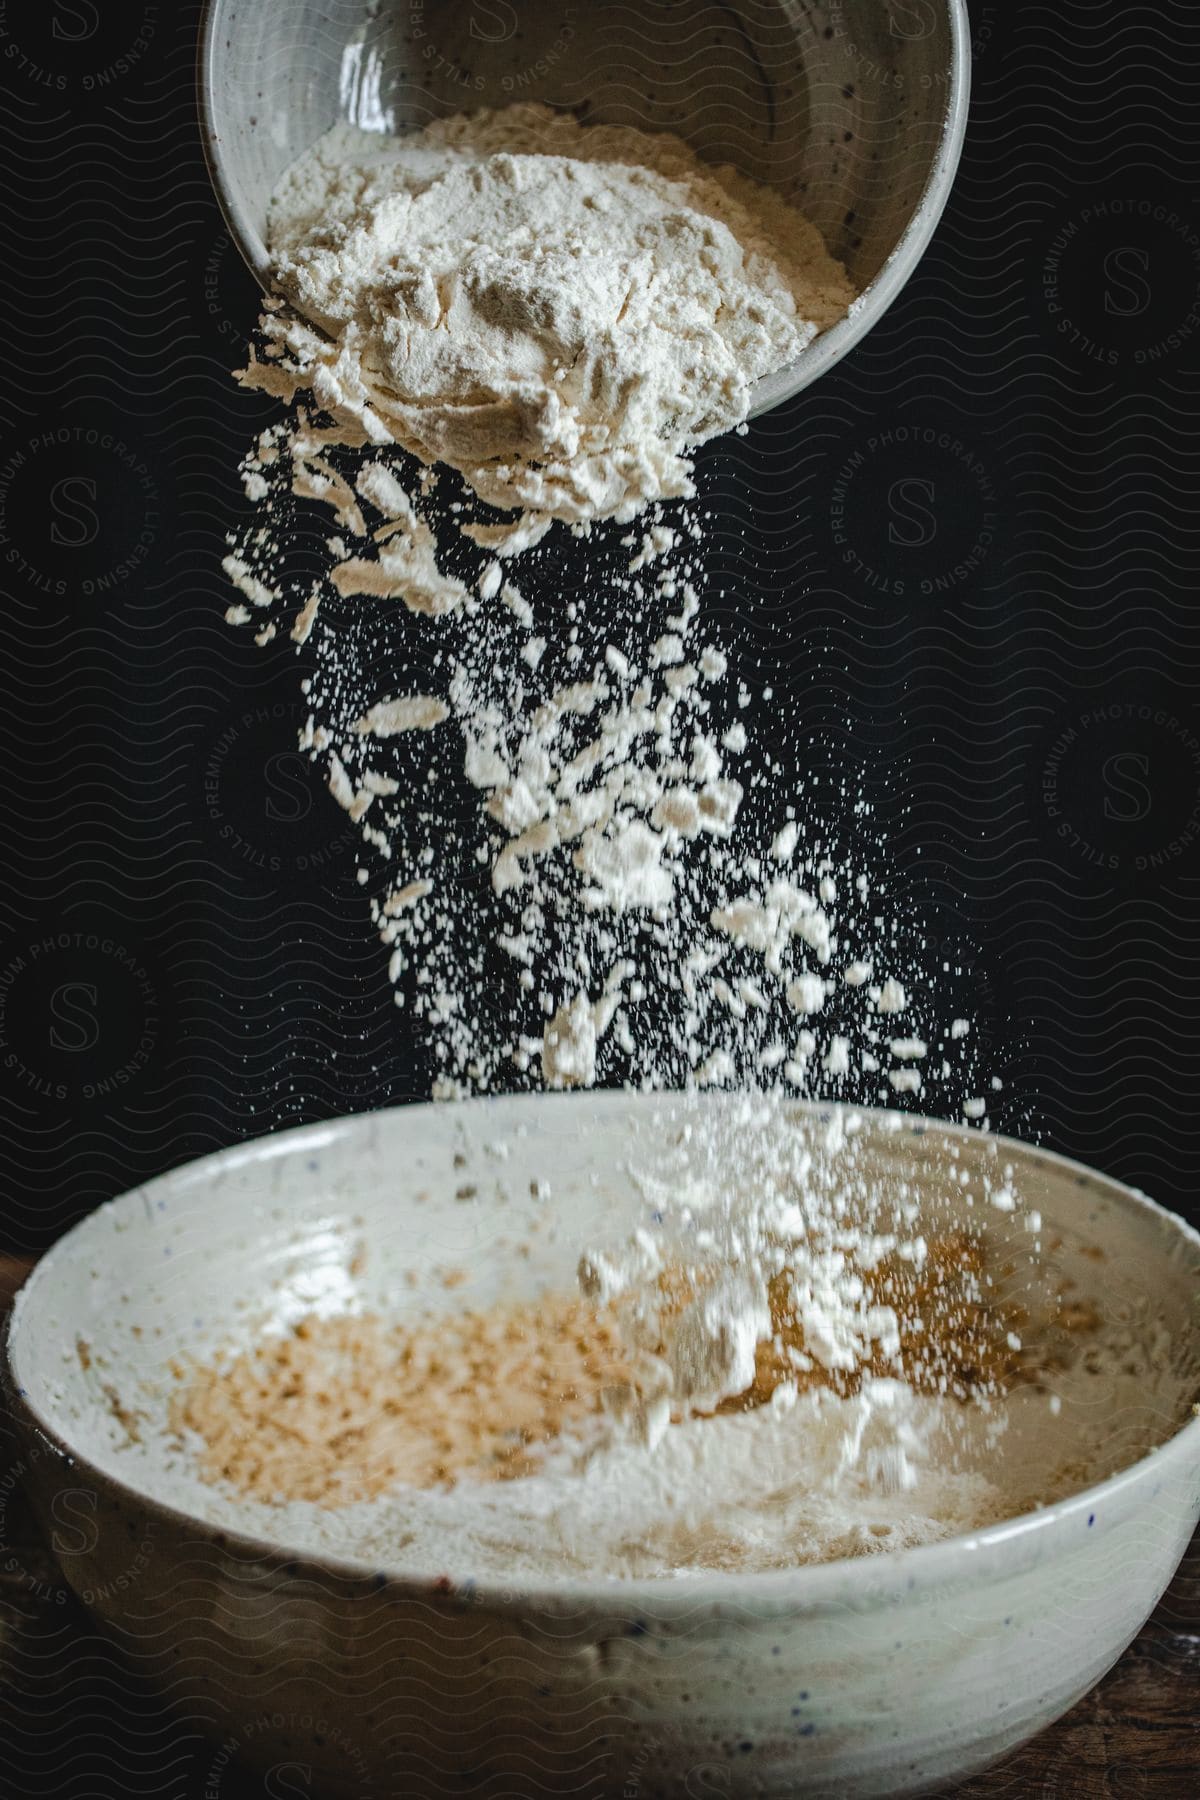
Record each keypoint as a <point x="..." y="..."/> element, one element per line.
<point x="874" y="1676"/>
<point x="856" y="109"/>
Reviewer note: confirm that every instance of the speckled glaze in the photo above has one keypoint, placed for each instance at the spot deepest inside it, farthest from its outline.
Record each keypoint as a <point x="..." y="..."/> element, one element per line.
<point x="856" y="109"/>
<point x="869" y="1677"/>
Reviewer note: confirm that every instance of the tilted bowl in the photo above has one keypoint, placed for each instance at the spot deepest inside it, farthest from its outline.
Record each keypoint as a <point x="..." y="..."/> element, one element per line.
<point x="855" y="109"/>
<point x="883" y="1674"/>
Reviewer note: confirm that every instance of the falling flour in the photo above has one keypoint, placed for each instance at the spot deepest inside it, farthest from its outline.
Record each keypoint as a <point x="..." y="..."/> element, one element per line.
<point x="493" y="336"/>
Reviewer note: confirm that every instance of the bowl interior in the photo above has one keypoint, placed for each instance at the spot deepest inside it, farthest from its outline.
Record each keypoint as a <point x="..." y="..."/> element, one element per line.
<point x="852" y="108"/>
<point x="372" y="1213"/>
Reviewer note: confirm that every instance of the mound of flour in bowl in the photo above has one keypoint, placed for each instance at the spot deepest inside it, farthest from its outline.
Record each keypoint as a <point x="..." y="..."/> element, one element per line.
<point x="556" y="310"/>
<point x="879" y="1395"/>
<point x="496" y="1443"/>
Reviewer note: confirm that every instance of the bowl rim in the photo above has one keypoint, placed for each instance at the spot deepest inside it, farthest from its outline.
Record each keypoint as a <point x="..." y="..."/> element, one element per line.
<point x="772" y="390"/>
<point x="875" y="299"/>
<point x="863" y="1582"/>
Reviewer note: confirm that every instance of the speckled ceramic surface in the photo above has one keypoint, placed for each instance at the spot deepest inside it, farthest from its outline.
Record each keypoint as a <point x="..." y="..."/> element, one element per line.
<point x="877" y="1676"/>
<point x="854" y="108"/>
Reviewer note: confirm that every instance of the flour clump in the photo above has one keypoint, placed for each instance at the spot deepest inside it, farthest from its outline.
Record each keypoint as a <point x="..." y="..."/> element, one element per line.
<point x="559" y="311"/>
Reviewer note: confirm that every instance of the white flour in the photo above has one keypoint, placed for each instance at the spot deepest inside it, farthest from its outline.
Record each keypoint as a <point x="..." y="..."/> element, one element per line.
<point x="559" y="314"/>
<point x="809" y="1479"/>
<point x="557" y="311"/>
<point x="805" y="1480"/>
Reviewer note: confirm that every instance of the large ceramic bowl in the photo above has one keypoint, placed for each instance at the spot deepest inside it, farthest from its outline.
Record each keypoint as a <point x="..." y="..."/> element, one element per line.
<point x="879" y="1675"/>
<point x="854" y="108"/>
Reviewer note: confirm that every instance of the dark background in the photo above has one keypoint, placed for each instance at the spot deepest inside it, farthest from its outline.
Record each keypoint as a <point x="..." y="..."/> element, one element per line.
<point x="999" y="639"/>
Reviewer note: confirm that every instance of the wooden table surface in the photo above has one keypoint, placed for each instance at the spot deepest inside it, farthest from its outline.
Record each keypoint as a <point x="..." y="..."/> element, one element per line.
<point x="75" y="1720"/>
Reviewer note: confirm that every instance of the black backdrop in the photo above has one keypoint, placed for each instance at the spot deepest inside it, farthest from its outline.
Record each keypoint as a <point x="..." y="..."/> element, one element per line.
<point x="964" y="564"/>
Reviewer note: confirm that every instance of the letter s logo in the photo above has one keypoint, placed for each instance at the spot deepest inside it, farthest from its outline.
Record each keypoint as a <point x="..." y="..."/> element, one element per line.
<point x="85" y="17"/>
<point x="915" y="528"/>
<point x="912" y="19"/>
<point x="1121" y="774"/>
<point x="75" y="1510"/>
<point x="289" y="784"/>
<point x="69" y="498"/>
<point x="289" y="1781"/>
<point x="499" y="15"/>
<point x="1127" y="293"/>
<point x="74" y="1006"/>
<point x="707" y="1780"/>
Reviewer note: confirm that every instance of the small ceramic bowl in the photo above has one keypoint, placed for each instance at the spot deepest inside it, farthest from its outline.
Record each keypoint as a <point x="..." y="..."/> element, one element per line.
<point x="878" y="1675"/>
<point x="855" y="109"/>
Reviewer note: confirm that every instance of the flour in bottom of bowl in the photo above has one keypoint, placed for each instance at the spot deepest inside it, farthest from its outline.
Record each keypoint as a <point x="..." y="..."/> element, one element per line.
<point x="494" y="1445"/>
<point x="753" y="1491"/>
<point x="785" y="1346"/>
<point x="810" y="1477"/>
